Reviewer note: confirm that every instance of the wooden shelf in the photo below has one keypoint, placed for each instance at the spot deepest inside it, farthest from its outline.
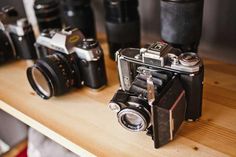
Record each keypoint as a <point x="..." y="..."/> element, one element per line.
<point x="82" y="122"/>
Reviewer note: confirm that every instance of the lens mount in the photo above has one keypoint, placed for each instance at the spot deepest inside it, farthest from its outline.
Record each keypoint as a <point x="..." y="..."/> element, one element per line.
<point x="46" y="91"/>
<point x="133" y="119"/>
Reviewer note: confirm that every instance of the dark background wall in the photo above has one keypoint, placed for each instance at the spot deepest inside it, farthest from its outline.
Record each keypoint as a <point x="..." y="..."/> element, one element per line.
<point x="219" y="25"/>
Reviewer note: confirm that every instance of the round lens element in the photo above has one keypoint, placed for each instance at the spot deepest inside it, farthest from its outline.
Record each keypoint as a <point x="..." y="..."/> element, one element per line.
<point x="132" y="120"/>
<point x="40" y="82"/>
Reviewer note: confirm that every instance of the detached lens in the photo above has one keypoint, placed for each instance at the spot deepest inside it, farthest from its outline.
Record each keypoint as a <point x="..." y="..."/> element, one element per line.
<point x="122" y="24"/>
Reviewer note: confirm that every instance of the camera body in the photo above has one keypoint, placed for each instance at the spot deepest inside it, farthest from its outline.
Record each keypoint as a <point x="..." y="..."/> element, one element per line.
<point x="17" y="36"/>
<point x="160" y="88"/>
<point x="67" y="60"/>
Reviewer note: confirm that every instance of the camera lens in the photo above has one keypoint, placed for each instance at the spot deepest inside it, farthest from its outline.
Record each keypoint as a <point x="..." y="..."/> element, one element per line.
<point x="79" y="14"/>
<point x="122" y="24"/>
<point x="133" y="120"/>
<point x="48" y="14"/>
<point x="6" y="48"/>
<point x="54" y="75"/>
<point x="136" y="117"/>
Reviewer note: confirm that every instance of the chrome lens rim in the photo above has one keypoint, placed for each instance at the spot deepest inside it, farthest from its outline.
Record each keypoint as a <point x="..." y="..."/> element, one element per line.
<point x="127" y="125"/>
<point x="35" y="85"/>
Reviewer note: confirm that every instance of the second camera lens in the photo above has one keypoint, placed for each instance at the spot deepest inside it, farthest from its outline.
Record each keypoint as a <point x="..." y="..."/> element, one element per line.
<point x="122" y="24"/>
<point x="78" y="13"/>
<point x="48" y="14"/>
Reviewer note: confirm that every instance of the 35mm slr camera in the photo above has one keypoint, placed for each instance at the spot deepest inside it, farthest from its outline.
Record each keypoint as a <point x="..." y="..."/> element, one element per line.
<point x="67" y="60"/>
<point x="160" y="88"/>
<point x="16" y="36"/>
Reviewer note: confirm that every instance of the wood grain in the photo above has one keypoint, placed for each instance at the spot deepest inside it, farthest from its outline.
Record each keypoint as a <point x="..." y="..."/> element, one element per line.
<point x="82" y="122"/>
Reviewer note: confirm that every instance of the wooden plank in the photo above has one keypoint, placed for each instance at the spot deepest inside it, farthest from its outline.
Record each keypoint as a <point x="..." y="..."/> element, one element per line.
<point x="220" y="95"/>
<point x="220" y="79"/>
<point x="211" y="135"/>
<point x="218" y="114"/>
<point x="220" y="66"/>
<point x="121" y="147"/>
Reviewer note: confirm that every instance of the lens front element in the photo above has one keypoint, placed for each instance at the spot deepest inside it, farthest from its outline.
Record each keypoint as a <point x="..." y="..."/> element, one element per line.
<point x="41" y="82"/>
<point x="132" y="120"/>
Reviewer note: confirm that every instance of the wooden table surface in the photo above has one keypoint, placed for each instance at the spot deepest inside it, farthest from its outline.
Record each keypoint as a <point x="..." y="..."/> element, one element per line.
<point x="82" y="122"/>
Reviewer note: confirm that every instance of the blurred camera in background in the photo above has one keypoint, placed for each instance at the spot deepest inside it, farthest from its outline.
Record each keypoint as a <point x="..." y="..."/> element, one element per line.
<point x="16" y="36"/>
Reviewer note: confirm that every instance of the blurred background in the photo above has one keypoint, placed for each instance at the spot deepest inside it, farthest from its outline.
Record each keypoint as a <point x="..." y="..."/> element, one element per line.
<point x="219" y="24"/>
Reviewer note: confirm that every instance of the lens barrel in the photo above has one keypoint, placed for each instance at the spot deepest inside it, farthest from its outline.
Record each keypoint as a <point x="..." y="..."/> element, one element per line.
<point x="54" y="75"/>
<point x="48" y="14"/>
<point x="79" y="14"/>
<point x="181" y="23"/>
<point x="135" y="117"/>
<point x="122" y="24"/>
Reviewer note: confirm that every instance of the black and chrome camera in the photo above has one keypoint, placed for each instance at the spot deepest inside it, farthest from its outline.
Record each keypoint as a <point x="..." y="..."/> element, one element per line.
<point x="67" y="60"/>
<point x="16" y="36"/>
<point x="160" y="88"/>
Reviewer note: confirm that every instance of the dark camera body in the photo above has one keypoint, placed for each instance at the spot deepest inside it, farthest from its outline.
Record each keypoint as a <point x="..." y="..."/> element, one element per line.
<point x="122" y="24"/>
<point x="161" y="83"/>
<point x="79" y="14"/>
<point x="17" y="37"/>
<point x="67" y="60"/>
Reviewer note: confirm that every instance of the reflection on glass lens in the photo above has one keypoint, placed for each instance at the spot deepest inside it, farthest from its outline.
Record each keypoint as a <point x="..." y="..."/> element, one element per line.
<point x="41" y="82"/>
<point x="133" y="119"/>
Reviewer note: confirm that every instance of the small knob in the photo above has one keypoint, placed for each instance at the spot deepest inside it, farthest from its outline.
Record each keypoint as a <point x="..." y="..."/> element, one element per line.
<point x="189" y="59"/>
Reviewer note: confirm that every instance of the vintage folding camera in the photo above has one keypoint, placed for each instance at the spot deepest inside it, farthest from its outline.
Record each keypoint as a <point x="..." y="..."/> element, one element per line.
<point x="67" y="60"/>
<point x="160" y="88"/>
<point x="16" y="36"/>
